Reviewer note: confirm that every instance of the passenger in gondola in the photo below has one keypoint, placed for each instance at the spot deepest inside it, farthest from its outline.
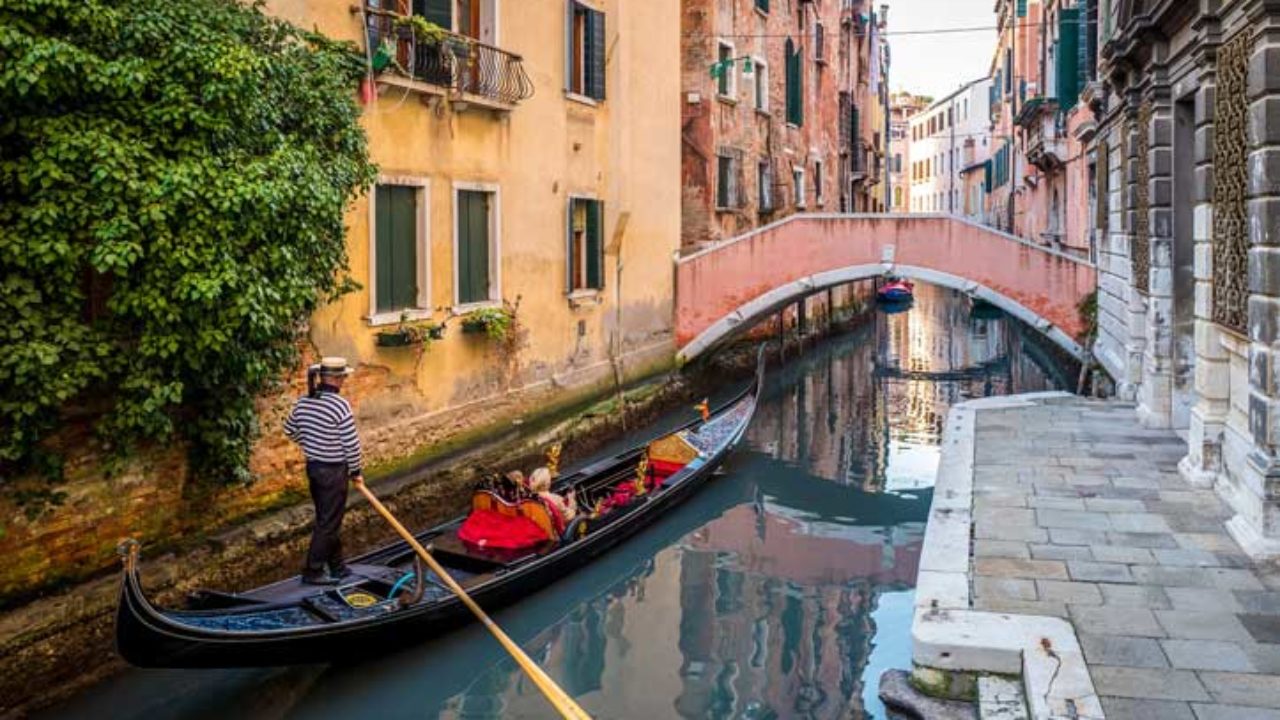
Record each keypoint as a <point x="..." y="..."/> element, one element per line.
<point x="565" y="505"/>
<point x="322" y="423"/>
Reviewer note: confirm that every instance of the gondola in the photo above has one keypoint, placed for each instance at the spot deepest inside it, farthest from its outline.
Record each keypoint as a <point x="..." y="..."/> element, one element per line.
<point x="390" y="601"/>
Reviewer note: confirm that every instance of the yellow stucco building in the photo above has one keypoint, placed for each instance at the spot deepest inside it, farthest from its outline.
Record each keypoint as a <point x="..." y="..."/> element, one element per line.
<point x="526" y="155"/>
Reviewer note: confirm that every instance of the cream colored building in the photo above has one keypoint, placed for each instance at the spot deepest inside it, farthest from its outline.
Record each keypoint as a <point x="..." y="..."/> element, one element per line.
<point x="525" y="156"/>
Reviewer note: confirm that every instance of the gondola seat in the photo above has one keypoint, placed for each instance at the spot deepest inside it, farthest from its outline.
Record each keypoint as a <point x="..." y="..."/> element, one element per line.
<point x="496" y="522"/>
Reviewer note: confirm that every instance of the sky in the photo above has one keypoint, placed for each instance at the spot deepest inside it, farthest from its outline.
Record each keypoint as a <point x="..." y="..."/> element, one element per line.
<point x="938" y="64"/>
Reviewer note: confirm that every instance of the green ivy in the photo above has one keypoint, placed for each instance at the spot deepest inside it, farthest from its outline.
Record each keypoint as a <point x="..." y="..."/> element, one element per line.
<point x="173" y="182"/>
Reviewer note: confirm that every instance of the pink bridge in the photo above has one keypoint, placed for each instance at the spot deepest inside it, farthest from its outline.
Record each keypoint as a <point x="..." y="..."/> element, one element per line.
<point x="727" y="288"/>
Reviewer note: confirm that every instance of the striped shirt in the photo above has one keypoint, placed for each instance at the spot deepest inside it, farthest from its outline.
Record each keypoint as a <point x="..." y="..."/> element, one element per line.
<point x="323" y="425"/>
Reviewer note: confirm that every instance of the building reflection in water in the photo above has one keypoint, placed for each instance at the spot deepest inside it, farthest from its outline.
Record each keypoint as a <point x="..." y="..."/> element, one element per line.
<point x="767" y="609"/>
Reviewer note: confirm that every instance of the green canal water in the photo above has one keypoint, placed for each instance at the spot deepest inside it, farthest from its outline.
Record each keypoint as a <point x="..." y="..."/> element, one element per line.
<point x="781" y="590"/>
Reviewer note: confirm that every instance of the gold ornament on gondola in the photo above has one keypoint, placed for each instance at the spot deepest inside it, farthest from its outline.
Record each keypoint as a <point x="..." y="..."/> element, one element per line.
<point x="704" y="409"/>
<point x="553" y="460"/>
<point x="642" y="472"/>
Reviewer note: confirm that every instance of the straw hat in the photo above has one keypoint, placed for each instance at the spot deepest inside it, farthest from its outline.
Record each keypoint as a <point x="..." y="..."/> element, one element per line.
<point x="335" y="366"/>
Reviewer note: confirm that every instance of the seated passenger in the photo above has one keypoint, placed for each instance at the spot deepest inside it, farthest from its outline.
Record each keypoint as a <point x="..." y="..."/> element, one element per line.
<point x="540" y="485"/>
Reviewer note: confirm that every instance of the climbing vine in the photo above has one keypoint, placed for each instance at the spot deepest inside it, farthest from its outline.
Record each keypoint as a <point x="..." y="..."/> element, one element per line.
<point x="173" y="182"/>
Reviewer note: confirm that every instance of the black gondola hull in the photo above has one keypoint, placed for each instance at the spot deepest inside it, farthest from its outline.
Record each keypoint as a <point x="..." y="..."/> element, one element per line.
<point x="148" y="637"/>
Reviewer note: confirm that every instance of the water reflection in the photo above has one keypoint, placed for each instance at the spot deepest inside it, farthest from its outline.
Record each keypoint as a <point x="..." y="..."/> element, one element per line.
<point x="782" y="590"/>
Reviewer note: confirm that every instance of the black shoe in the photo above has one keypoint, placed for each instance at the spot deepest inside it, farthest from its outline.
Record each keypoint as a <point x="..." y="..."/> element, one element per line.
<point x="319" y="579"/>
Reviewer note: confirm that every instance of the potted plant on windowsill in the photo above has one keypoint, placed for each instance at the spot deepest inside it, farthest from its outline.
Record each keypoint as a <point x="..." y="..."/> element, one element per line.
<point x="406" y="334"/>
<point x="494" y="322"/>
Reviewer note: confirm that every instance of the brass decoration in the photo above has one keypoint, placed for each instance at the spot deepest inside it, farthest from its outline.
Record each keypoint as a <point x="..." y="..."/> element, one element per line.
<point x="553" y="459"/>
<point x="1231" y="186"/>
<point x="1140" y="257"/>
<point x="642" y="474"/>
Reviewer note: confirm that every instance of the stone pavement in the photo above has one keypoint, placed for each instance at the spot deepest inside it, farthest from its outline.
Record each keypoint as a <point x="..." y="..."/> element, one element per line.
<point x="1080" y="513"/>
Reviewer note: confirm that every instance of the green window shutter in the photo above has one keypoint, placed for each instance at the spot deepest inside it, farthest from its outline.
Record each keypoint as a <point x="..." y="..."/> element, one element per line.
<point x="396" y="274"/>
<point x="473" y="246"/>
<point x="439" y="12"/>
<point x="795" y="97"/>
<point x="987" y="179"/>
<point x="762" y="5"/>
<point x="595" y="244"/>
<point x="568" y="247"/>
<point x="594" y="54"/>
<point x="1022" y="8"/>
<point x="1068" y="89"/>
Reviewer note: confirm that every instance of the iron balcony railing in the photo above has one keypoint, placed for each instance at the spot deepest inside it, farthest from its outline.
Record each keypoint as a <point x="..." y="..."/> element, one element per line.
<point x="457" y="62"/>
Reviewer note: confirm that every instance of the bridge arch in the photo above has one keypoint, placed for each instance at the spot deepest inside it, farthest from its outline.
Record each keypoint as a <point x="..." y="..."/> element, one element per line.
<point x="728" y="287"/>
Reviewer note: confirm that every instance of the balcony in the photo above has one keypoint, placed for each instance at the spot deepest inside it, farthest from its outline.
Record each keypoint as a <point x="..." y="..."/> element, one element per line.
<point x="1046" y="143"/>
<point x="462" y="68"/>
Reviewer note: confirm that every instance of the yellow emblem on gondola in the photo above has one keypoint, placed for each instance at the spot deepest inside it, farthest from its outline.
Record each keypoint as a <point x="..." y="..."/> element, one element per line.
<point x="360" y="599"/>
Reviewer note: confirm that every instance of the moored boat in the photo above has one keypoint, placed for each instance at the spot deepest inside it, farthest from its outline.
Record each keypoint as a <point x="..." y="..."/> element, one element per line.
<point x="390" y="600"/>
<point x="896" y="291"/>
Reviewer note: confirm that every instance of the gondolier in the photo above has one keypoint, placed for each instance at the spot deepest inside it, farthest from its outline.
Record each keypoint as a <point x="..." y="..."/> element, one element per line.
<point x="322" y="424"/>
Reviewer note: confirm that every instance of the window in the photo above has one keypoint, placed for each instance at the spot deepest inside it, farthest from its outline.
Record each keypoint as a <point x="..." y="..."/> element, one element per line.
<point x="727" y="80"/>
<point x="585" y="270"/>
<point x="819" y="43"/>
<point x="797" y="181"/>
<point x="817" y="182"/>
<point x="584" y="65"/>
<point x="762" y="6"/>
<point x="761" y="85"/>
<point x="475" y="244"/>
<point x="399" y="248"/>
<point x="795" y="94"/>
<point x="897" y="197"/>
<point x="727" y="185"/>
<point x="764" y="185"/>
<point x="897" y="162"/>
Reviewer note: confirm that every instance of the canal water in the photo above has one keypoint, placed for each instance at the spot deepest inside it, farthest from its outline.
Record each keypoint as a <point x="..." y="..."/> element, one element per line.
<point x="781" y="590"/>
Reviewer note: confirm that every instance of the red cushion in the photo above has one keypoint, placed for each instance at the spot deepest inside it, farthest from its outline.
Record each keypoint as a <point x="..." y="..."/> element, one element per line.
<point x="663" y="469"/>
<point x="487" y="528"/>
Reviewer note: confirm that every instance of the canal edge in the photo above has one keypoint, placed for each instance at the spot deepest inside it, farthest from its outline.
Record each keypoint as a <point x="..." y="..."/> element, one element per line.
<point x="952" y="644"/>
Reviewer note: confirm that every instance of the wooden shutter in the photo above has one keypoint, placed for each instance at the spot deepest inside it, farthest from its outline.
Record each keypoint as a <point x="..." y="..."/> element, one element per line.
<point x="1068" y="57"/>
<point x="439" y="12"/>
<point x="396" y="274"/>
<point x="568" y="246"/>
<point x="595" y="244"/>
<point x="595" y="54"/>
<point x="1102" y="172"/>
<point x="473" y="246"/>
<point x="795" y="112"/>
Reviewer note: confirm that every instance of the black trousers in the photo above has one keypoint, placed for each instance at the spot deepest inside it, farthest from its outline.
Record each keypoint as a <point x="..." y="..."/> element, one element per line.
<point x="328" y="482"/>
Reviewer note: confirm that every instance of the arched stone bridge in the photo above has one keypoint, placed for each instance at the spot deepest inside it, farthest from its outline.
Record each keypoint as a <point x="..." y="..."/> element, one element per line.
<point x="727" y="288"/>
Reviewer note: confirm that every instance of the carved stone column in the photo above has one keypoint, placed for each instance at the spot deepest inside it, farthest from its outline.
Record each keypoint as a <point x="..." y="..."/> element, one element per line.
<point x="1154" y="238"/>
<point x="1203" y="462"/>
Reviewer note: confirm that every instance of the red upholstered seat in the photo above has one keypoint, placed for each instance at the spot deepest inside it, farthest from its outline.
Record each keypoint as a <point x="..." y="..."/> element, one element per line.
<point x="660" y="470"/>
<point x="491" y="529"/>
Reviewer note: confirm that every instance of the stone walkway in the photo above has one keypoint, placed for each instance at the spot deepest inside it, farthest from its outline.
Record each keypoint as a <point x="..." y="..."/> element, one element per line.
<point x="1080" y="513"/>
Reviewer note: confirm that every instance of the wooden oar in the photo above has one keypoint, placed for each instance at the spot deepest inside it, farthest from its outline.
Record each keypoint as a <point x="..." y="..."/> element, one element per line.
<point x="554" y="694"/>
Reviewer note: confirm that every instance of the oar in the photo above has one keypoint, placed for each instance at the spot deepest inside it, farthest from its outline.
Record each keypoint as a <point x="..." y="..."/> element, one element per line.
<point x="556" y="696"/>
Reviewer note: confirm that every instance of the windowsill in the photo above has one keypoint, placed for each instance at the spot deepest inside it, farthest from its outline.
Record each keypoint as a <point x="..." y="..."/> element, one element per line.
<point x="585" y="296"/>
<point x="792" y="125"/>
<point x="764" y="112"/>
<point x="464" y="308"/>
<point x="761" y="13"/>
<point x="392" y="317"/>
<point x="727" y="99"/>
<point x="820" y="202"/>
<point x="581" y="99"/>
